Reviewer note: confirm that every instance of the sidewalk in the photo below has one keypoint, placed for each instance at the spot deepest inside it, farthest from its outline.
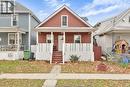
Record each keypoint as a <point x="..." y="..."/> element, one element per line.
<point x="54" y="72"/>
<point x="54" y="76"/>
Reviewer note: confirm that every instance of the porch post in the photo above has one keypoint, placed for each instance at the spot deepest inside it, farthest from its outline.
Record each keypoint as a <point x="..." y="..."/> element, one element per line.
<point x="18" y="41"/>
<point x="52" y="37"/>
<point x="51" y="50"/>
<point x="63" y="53"/>
<point x="37" y="37"/>
<point x="92" y="53"/>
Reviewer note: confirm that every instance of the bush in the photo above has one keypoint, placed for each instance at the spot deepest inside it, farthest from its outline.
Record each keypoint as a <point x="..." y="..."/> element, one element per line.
<point x="74" y="58"/>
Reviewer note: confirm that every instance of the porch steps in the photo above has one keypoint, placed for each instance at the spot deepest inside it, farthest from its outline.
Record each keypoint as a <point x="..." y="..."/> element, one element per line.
<point x="57" y="57"/>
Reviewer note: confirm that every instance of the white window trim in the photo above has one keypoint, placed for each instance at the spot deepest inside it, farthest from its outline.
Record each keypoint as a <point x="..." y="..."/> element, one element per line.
<point x="16" y="19"/>
<point x="61" y="20"/>
<point x="77" y="35"/>
<point x="20" y="37"/>
<point x="47" y="37"/>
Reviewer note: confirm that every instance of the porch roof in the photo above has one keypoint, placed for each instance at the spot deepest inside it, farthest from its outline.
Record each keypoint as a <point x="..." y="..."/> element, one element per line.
<point x="65" y="29"/>
<point x="11" y="29"/>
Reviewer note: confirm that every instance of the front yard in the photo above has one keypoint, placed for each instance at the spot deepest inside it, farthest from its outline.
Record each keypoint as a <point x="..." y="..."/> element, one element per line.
<point x="90" y="67"/>
<point x="21" y="83"/>
<point x="25" y="67"/>
<point x="93" y="83"/>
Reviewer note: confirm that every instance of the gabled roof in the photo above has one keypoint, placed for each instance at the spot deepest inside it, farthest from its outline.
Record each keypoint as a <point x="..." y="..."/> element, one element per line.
<point x="113" y="20"/>
<point x="61" y="8"/>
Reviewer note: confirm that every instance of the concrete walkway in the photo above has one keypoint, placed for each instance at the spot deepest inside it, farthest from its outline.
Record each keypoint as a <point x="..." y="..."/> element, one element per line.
<point x="52" y="76"/>
<point x="54" y="73"/>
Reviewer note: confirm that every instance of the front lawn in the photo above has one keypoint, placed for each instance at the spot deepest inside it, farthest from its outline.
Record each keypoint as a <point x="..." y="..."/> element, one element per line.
<point x="93" y="83"/>
<point x="21" y="83"/>
<point x="91" y="67"/>
<point x="25" y="67"/>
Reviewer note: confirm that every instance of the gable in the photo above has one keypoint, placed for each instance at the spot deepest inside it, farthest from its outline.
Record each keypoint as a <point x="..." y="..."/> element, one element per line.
<point x="55" y="21"/>
<point x="125" y="21"/>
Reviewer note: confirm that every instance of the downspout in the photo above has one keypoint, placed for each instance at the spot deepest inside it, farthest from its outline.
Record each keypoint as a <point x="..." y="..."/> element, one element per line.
<point x="29" y="33"/>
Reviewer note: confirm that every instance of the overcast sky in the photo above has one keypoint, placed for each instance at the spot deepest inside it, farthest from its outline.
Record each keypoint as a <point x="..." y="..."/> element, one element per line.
<point x="95" y="10"/>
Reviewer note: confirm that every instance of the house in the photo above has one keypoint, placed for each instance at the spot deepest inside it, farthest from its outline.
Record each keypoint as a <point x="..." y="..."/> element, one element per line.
<point x="16" y="24"/>
<point x="113" y="34"/>
<point x="62" y="34"/>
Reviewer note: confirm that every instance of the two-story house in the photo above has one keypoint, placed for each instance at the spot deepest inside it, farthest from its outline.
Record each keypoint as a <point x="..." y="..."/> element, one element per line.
<point x="16" y="24"/>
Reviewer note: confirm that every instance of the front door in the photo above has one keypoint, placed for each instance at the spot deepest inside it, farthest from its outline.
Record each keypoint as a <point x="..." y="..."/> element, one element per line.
<point x="60" y="42"/>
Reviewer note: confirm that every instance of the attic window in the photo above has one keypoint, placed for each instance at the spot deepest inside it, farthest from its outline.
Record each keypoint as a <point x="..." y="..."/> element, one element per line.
<point x="6" y="7"/>
<point x="64" y="21"/>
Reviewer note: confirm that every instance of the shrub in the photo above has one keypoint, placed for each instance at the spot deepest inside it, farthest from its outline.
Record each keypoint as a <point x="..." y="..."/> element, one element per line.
<point x="74" y="58"/>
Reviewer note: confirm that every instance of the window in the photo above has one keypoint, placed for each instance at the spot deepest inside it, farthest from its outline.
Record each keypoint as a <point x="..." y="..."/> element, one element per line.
<point x="13" y="40"/>
<point x="129" y="19"/>
<point x="15" y="20"/>
<point x="48" y="38"/>
<point x="6" y="7"/>
<point x="64" y="20"/>
<point x="77" y="38"/>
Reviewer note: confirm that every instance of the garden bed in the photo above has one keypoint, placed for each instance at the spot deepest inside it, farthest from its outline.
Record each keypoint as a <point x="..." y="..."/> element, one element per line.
<point x="91" y="67"/>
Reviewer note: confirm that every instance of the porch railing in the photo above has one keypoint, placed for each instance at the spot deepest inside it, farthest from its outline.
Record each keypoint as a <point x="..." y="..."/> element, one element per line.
<point x="77" y="47"/>
<point x="11" y="47"/>
<point x="44" y="47"/>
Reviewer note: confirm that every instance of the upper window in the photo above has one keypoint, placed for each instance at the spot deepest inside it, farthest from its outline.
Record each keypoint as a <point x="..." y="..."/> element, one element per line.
<point x="6" y="7"/>
<point x="15" y="20"/>
<point x="77" y="38"/>
<point x="64" y="20"/>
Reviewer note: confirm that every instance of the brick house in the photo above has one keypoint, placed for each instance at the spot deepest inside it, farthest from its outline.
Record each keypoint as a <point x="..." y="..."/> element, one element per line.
<point x="62" y="34"/>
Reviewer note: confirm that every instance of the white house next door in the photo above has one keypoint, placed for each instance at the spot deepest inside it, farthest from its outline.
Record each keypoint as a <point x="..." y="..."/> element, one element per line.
<point x="60" y="42"/>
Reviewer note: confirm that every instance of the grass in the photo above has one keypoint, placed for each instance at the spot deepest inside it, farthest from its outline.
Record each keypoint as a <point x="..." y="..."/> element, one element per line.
<point x="21" y="83"/>
<point x="25" y="67"/>
<point x="90" y="67"/>
<point x="93" y="83"/>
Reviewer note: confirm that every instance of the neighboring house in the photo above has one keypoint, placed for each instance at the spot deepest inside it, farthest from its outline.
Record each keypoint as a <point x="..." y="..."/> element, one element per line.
<point x="114" y="34"/>
<point x="62" y="34"/>
<point x="16" y="24"/>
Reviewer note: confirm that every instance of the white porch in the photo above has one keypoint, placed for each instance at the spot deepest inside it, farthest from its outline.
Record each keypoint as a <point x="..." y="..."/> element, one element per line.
<point x="44" y="51"/>
<point x="11" y="48"/>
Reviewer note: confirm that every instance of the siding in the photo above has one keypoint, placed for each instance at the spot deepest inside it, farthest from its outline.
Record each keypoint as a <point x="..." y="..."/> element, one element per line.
<point x="34" y="23"/>
<point x="55" y="21"/>
<point x="23" y="22"/>
<point x="5" y="20"/>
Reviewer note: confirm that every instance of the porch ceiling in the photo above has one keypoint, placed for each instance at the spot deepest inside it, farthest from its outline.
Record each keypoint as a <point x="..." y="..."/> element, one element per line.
<point x="65" y="29"/>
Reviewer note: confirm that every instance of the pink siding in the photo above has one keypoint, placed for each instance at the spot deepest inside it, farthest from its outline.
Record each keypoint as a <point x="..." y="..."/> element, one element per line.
<point x="55" y="21"/>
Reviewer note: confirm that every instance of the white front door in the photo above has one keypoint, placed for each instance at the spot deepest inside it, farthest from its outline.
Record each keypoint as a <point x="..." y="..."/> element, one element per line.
<point x="60" y="42"/>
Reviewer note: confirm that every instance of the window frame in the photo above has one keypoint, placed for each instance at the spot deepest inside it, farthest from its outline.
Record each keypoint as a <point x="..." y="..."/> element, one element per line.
<point x="48" y="36"/>
<point x="15" y="39"/>
<point x="62" y="21"/>
<point x="5" y="7"/>
<point x="12" y="19"/>
<point x="75" y="38"/>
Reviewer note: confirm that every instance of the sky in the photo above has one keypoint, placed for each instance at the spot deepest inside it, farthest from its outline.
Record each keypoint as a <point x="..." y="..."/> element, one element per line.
<point x="94" y="10"/>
